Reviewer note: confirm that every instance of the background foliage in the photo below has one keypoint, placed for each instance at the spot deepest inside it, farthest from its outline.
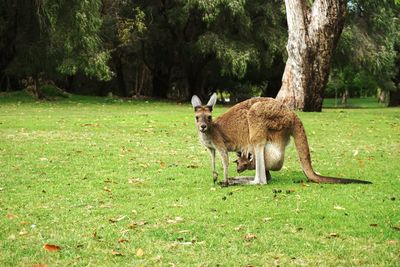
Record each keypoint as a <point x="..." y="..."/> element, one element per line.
<point x="173" y="49"/>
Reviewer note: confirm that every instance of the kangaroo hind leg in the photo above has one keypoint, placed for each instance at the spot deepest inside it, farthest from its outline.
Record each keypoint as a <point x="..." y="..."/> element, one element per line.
<point x="261" y="177"/>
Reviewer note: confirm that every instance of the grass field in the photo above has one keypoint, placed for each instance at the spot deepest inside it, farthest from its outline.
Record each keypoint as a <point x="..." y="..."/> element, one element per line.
<point x="126" y="183"/>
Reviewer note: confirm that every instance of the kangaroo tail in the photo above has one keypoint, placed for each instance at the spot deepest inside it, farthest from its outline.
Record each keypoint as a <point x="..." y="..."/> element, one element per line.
<point x="300" y="140"/>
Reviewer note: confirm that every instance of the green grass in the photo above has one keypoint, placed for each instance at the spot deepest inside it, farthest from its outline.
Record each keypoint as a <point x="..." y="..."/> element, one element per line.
<point x="96" y="176"/>
<point x="354" y="103"/>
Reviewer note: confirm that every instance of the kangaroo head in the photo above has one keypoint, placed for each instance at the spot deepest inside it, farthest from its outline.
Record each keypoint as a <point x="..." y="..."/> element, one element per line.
<point x="203" y="113"/>
<point x="244" y="162"/>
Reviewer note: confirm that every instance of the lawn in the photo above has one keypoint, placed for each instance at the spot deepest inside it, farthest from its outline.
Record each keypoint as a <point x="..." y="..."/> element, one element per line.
<point x="127" y="183"/>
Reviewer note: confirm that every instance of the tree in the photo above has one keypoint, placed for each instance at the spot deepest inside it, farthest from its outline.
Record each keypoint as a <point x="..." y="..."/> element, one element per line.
<point x="367" y="46"/>
<point x="193" y="47"/>
<point x="314" y="30"/>
<point x="51" y="39"/>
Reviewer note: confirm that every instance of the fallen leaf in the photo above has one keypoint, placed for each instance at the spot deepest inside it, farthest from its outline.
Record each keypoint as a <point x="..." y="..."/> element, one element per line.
<point x="184" y="232"/>
<point x="333" y="235"/>
<point x="11" y="216"/>
<point x="177" y="205"/>
<point x="107" y="189"/>
<point x="338" y="208"/>
<point x="355" y="153"/>
<point x="11" y="237"/>
<point x="240" y="227"/>
<point x="135" y="181"/>
<point x="139" y="252"/>
<point x="175" y="221"/>
<point x="114" y="220"/>
<point x="135" y="224"/>
<point x="396" y="227"/>
<point x="23" y="232"/>
<point x="51" y="248"/>
<point x="116" y="253"/>
<point x="249" y="237"/>
<point x="266" y="219"/>
<point x="90" y="124"/>
<point x="392" y="242"/>
<point x="123" y="240"/>
<point x="39" y="265"/>
<point x="373" y="225"/>
<point x="192" y="166"/>
<point x="1" y="189"/>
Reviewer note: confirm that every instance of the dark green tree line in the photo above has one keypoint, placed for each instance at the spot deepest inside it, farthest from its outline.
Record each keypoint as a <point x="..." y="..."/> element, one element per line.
<point x="173" y="49"/>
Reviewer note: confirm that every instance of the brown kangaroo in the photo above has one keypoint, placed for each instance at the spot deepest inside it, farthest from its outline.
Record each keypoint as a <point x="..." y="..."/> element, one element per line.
<point x="260" y="126"/>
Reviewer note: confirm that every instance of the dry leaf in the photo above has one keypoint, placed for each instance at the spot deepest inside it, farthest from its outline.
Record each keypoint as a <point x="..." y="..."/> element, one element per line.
<point x="238" y="228"/>
<point x="114" y="220"/>
<point x="135" y="224"/>
<point x="90" y="124"/>
<point x="51" y="248"/>
<point x="116" y="253"/>
<point x="39" y="265"/>
<point x="23" y="232"/>
<point x="139" y="252"/>
<point x="392" y="242"/>
<point x="175" y="221"/>
<point x="184" y="232"/>
<point x="373" y="225"/>
<point x="135" y="181"/>
<point x="11" y="216"/>
<point x="107" y="189"/>
<point x="192" y="166"/>
<point x="123" y="240"/>
<point x="396" y="227"/>
<point x="333" y="235"/>
<point x="338" y="208"/>
<point x="250" y="237"/>
<point x="266" y="219"/>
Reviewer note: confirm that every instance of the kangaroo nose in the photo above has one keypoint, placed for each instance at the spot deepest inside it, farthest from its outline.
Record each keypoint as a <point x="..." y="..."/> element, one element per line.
<point x="203" y="126"/>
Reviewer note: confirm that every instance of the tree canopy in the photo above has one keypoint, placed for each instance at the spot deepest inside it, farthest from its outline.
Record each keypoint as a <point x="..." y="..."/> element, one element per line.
<point x="173" y="49"/>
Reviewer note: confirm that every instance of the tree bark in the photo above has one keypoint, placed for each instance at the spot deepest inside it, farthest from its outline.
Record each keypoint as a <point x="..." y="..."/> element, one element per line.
<point x="313" y="35"/>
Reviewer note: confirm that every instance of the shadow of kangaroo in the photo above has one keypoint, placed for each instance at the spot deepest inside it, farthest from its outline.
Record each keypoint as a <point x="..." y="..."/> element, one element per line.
<point x="260" y="126"/>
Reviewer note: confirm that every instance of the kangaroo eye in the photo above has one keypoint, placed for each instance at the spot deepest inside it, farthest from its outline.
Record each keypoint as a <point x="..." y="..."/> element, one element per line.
<point x="197" y="118"/>
<point x="209" y="118"/>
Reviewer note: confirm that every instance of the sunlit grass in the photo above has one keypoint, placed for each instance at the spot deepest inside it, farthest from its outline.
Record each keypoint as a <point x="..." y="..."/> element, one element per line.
<point x="126" y="183"/>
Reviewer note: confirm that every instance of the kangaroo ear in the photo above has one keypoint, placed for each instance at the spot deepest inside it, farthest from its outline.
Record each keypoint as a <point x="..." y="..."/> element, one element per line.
<point x="212" y="101"/>
<point x="196" y="102"/>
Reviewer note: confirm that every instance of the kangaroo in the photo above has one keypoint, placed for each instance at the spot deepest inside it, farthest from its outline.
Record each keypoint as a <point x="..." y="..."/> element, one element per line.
<point x="260" y="126"/>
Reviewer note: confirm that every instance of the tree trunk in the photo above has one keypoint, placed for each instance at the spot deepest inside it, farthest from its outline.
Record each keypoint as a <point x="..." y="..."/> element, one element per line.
<point x="394" y="98"/>
<point x="160" y="84"/>
<point x="313" y="35"/>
